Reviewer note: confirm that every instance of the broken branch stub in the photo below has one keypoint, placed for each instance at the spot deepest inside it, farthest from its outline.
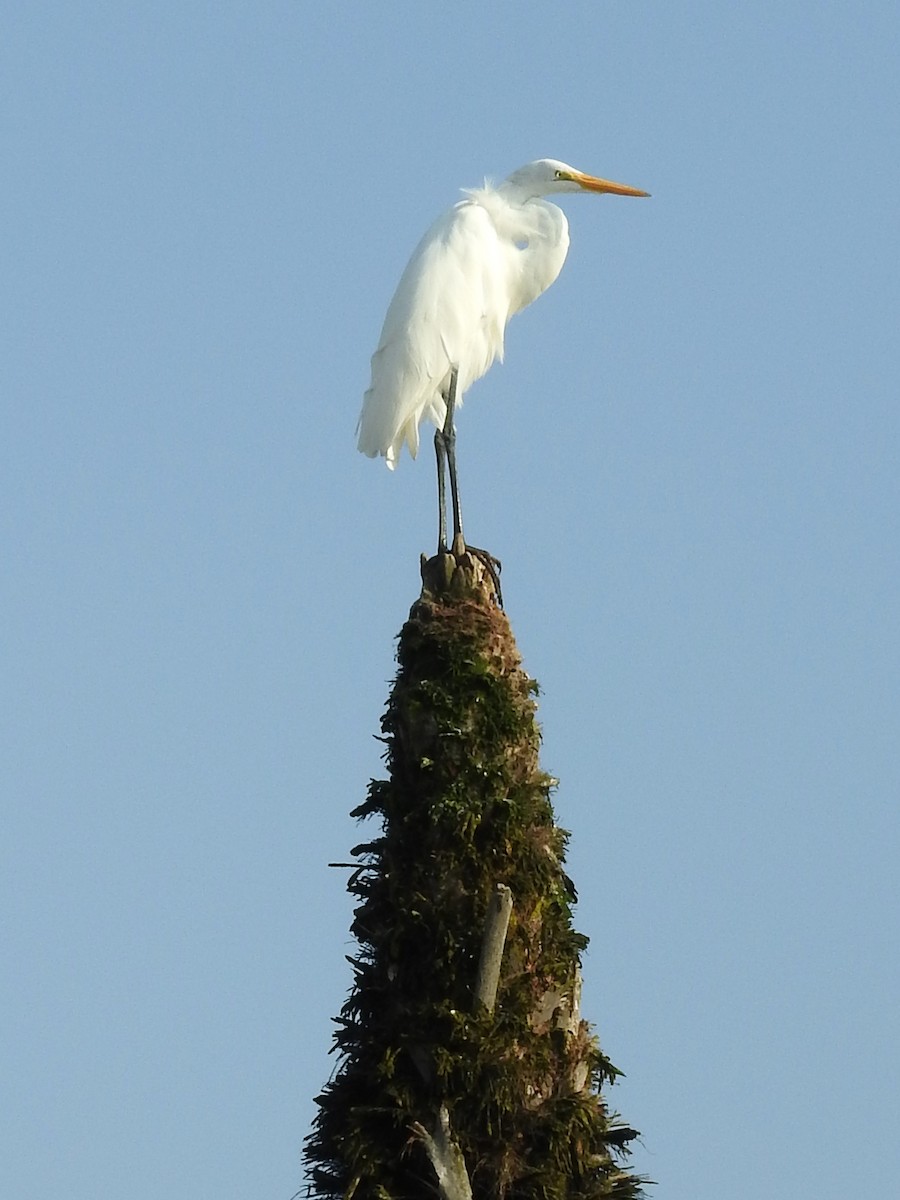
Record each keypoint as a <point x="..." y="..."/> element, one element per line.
<point x="492" y="946"/>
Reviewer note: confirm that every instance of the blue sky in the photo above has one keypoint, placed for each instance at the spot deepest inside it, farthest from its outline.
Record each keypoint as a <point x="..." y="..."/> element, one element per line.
<point x="688" y="465"/>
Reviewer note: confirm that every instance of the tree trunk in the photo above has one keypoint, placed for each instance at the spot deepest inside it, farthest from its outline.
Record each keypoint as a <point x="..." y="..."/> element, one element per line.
<point x="465" y="1068"/>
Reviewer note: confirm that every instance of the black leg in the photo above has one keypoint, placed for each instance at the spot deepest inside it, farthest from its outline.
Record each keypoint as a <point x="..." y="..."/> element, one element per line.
<point x="440" y="453"/>
<point x="445" y="453"/>
<point x="450" y="445"/>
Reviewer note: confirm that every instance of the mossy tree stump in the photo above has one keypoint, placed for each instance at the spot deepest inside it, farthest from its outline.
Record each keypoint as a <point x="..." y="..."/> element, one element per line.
<point x="438" y="1092"/>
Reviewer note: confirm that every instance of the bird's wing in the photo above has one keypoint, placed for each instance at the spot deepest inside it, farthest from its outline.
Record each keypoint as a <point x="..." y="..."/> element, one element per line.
<point x="450" y="308"/>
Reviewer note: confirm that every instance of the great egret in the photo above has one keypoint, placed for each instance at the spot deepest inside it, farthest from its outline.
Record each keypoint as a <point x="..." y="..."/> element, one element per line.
<point x="487" y="258"/>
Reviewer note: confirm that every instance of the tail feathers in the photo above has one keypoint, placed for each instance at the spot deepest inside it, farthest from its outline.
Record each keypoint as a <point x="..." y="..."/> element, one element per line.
<point x="385" y="424"/>
<point x="376" y="437"/>
<point x="380" y="433"/>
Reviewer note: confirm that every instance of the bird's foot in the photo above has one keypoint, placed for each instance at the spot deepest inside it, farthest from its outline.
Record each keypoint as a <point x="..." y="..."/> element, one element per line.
<point x="492" y="565"/>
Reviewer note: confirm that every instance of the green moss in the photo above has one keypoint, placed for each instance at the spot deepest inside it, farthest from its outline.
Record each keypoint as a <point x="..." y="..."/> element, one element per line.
<point x="465" y="807"/>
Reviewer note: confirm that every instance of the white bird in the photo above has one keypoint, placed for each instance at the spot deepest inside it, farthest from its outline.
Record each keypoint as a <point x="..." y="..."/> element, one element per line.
<point x="487" y="258"/>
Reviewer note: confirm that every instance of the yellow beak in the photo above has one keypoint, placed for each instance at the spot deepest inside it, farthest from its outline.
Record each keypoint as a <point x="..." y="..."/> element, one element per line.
<point x="592" y="184"/>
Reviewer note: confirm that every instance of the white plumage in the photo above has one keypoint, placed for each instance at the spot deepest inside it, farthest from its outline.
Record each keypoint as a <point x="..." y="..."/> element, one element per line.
<point x="480" y="263"/>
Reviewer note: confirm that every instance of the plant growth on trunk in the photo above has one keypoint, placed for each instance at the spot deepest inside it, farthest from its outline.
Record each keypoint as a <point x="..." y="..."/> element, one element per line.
<point x="450" y="1082"/>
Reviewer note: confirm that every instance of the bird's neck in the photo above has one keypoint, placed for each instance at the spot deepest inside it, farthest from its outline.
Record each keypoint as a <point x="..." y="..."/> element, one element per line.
<point x="541" y="236"/>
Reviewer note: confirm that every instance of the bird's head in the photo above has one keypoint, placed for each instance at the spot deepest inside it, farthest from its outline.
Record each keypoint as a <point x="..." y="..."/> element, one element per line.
<point x="548" y="176"/>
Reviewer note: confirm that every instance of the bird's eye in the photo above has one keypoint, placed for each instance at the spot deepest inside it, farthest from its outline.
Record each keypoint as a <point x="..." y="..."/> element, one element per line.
<point x="557" y="174"/>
